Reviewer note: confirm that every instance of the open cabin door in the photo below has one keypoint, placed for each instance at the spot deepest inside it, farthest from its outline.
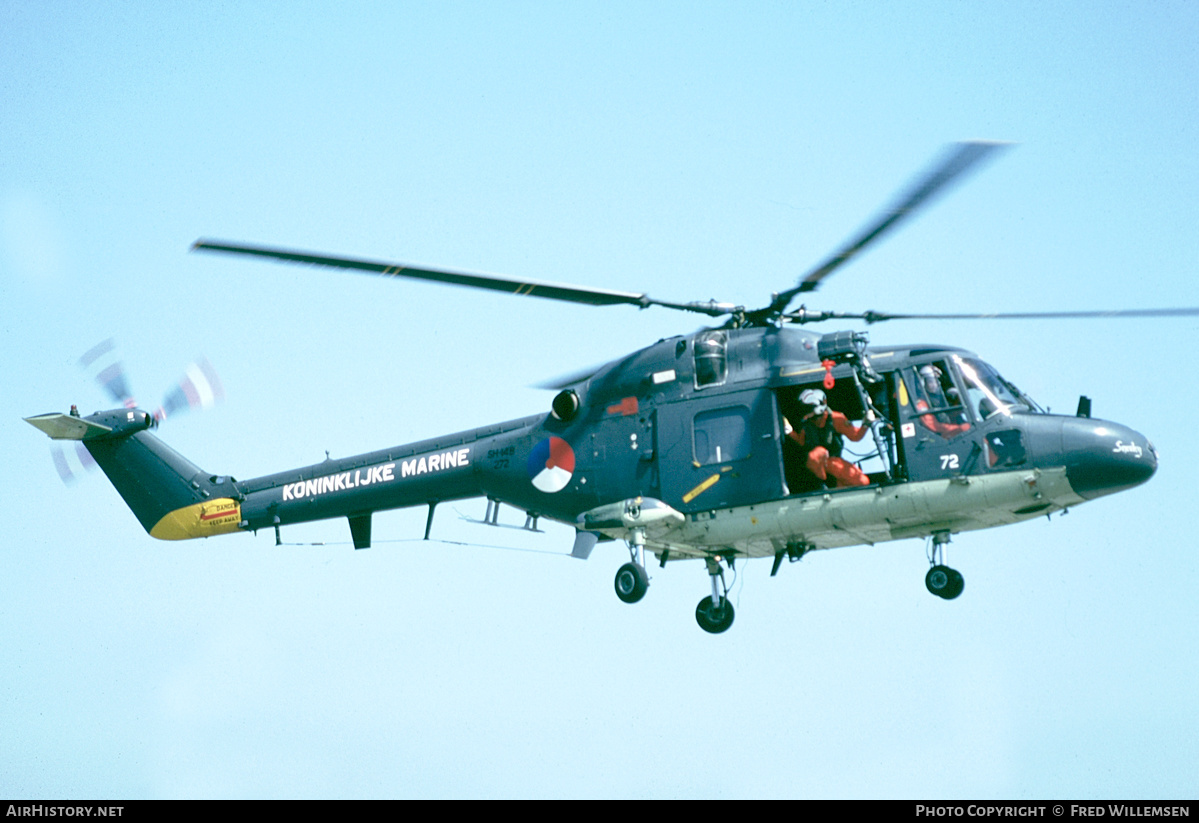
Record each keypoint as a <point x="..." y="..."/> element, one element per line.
<point x="875" y="455"/>
<point x="719" y="451"/>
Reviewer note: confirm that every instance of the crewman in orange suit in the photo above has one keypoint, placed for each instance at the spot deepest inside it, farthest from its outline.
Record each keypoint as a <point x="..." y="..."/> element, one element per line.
<point x="819" y="435"/>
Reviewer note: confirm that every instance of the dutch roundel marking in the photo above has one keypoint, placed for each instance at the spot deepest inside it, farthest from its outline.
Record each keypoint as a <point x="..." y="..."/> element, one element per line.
<point x="551" y="465"/>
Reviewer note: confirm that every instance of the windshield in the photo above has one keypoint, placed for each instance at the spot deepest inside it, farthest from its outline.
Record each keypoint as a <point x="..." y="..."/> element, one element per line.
<point x="989" y="393"/>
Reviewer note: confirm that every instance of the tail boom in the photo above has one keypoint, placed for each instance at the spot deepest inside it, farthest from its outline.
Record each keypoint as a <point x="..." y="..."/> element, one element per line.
<point x="174" y="499"/>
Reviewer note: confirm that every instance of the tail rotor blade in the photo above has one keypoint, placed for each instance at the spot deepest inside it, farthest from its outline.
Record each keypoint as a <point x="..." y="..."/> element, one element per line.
<point x="71" y="463"/>
<point x="102" y="362"/>
<point x="200" y="388"/>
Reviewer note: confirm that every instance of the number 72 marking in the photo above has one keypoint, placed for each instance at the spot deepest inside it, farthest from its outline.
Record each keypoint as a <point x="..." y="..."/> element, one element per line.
<point x="949" y="461"/>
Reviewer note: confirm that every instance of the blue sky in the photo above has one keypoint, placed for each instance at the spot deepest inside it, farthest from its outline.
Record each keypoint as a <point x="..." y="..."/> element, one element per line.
<point x="692" y="151"/>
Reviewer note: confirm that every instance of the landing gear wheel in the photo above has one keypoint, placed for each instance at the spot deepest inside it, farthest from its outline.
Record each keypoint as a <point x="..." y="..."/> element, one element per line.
<point x="944" y="582"/>
<point x="956" y="584"/>
<point x="631" y="582"/>
<point x="714" y="619"/>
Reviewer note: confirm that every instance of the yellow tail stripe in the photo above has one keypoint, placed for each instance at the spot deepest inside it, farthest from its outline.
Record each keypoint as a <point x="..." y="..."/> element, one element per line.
<point x="212" y="517"/>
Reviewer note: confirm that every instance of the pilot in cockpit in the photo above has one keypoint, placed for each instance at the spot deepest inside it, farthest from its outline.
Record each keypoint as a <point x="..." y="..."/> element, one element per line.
<point x="939" y="396"/>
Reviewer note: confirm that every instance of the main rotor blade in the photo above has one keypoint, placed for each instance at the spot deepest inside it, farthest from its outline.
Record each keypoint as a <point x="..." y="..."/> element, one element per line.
<point x="957" y="159"/>
<point x="878" y="317"/>
<point x="530" y="288"/>
<point x="815" y="316"/>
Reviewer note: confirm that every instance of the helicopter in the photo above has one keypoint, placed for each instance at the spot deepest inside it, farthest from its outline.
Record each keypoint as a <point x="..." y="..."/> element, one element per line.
<point x="719" y="445"/>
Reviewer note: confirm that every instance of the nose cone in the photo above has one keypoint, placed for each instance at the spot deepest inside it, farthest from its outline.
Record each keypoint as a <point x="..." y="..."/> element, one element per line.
<point x="1104" y="458"/>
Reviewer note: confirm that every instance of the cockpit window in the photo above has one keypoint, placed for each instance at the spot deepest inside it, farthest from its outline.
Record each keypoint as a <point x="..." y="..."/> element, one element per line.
<point x="990" y="394"/>
<point x="935" y="399"/>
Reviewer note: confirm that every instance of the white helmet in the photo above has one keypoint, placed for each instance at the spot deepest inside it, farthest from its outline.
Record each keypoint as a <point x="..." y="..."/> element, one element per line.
<point x="815" y="400"/>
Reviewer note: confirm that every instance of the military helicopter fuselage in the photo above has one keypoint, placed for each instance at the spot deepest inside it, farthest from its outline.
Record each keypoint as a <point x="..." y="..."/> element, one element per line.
<point x="733" y="442"/>
<point x="696" y="426"/>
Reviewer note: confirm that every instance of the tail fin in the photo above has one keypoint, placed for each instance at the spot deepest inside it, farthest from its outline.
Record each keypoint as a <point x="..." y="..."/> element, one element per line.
<point x="171" y="497"/>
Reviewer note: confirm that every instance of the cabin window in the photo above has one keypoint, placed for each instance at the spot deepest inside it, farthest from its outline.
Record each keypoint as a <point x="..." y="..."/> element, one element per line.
<point x="722" y="435"/>
<point x="1005" y="449"/>
<point x="711" y="358"/>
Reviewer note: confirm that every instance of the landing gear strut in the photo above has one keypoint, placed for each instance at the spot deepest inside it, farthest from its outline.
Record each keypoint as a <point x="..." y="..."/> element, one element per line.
<point x="715" y="613"/>
<point x="631" y="579"/>
<point x="941" y="580"/>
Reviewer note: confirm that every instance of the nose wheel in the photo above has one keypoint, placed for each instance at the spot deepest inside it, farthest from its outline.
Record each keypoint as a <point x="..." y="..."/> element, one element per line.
<point x="714" y="618"/>
<point x="941" y="580"/>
